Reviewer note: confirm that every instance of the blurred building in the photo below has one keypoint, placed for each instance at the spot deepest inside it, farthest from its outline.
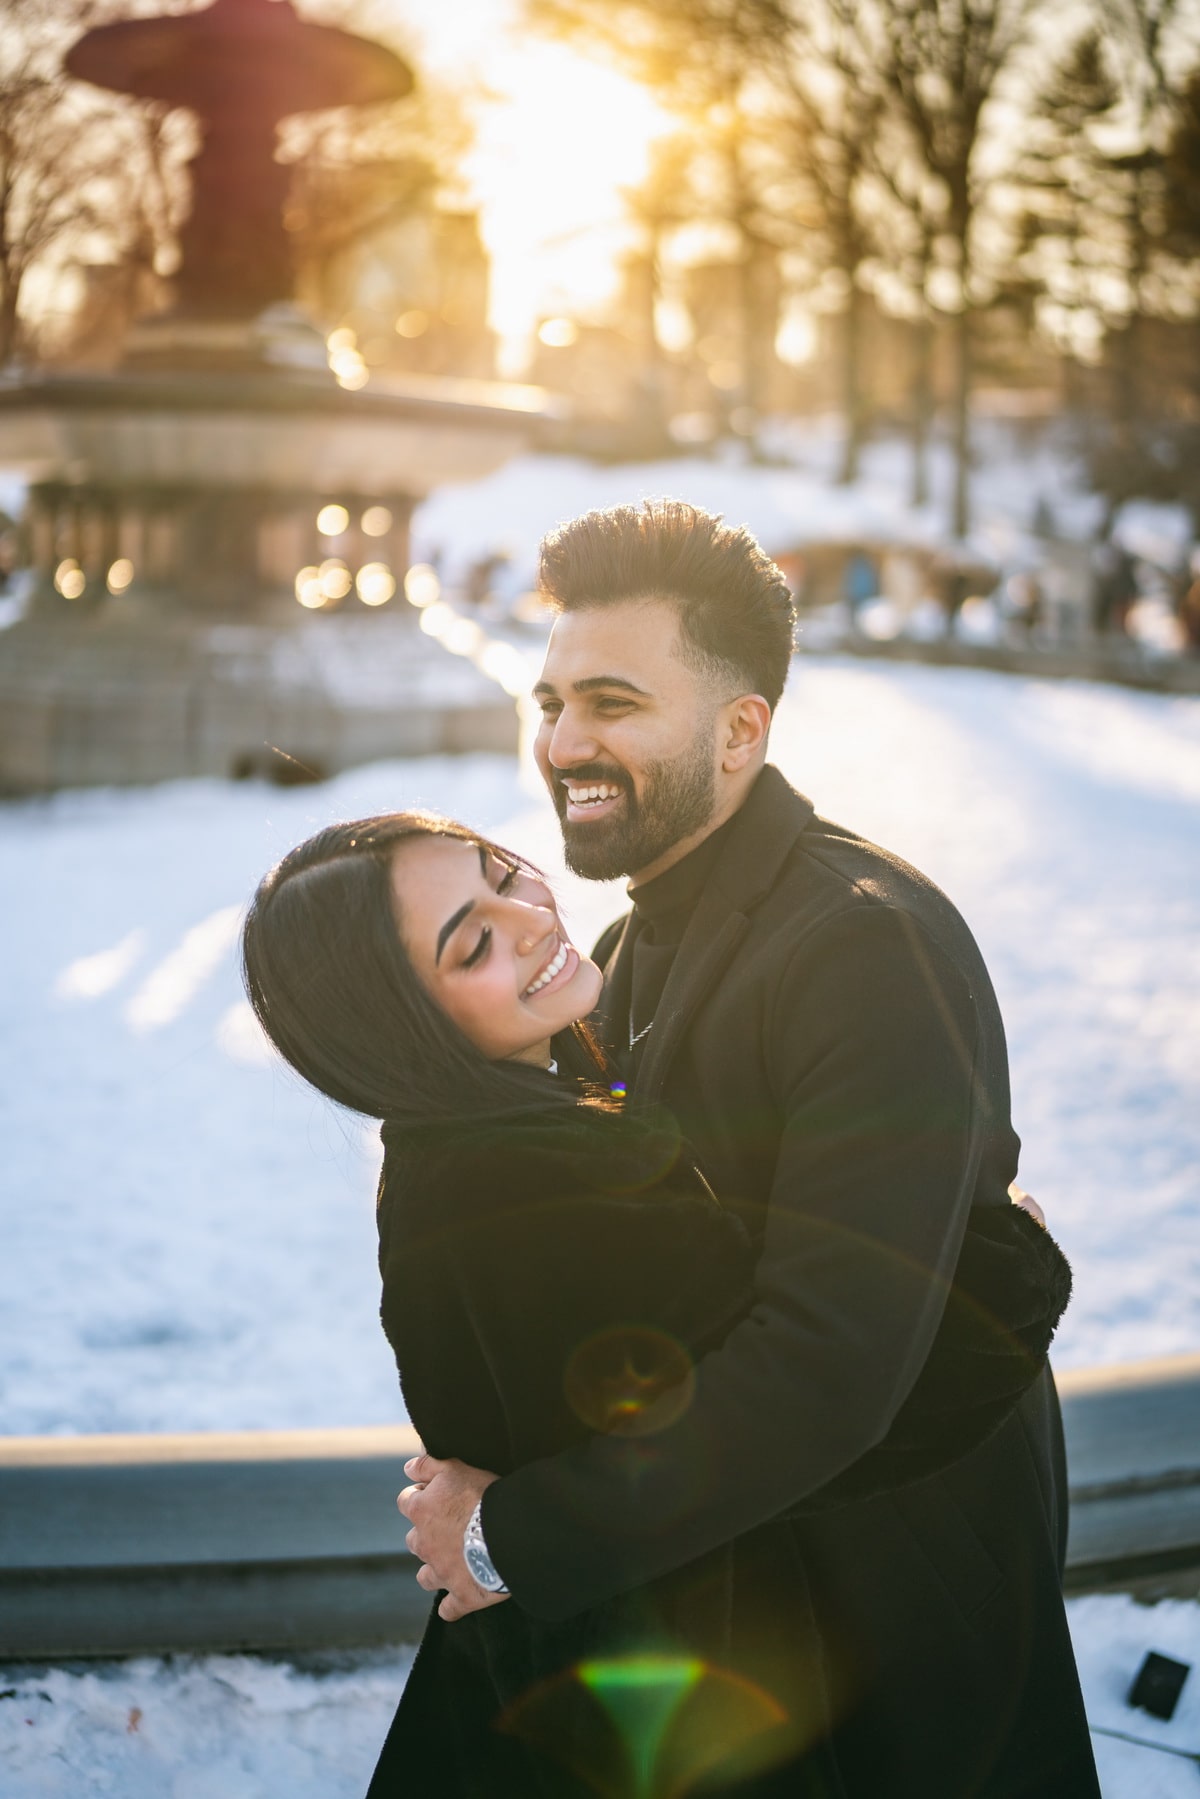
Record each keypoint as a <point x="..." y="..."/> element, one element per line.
<point x="415" y="293"/>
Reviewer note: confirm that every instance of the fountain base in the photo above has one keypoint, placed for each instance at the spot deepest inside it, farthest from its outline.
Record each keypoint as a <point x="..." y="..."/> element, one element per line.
<point x="127" y="700"/>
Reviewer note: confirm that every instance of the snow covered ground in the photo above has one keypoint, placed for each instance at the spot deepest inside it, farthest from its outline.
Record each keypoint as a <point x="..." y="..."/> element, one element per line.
<point x="234" y="1727"/>
<point x="792" y="501"/>
<point x="189" y="1232"/>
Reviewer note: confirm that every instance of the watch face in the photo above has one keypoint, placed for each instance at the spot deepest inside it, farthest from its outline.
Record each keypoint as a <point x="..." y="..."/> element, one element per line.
<point x="482" y="1569"/>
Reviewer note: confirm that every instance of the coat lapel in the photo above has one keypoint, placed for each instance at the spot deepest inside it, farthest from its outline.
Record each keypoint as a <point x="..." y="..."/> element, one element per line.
<point x="707" y="948"/>
<point x="767" y="827"/>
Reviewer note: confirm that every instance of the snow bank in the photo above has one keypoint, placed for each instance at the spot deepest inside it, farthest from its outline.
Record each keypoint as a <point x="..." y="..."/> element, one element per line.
<point x="784" y="506"/>
<point x="235" y="1727"/>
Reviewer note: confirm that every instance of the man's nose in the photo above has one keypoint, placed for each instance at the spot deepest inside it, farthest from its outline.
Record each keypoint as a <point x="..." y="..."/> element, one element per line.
<point x="571" y="742"/>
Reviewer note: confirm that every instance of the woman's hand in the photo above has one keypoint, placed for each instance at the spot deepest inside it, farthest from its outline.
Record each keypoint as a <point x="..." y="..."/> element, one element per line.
<point x="439" y="1505"/>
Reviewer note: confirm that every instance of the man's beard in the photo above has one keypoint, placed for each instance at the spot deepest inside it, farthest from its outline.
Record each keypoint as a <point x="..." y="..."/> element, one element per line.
<point x="678" y="799"/>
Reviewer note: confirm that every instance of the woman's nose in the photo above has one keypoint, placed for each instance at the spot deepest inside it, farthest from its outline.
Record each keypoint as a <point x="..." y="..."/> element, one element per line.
<point x="535" y="928"/>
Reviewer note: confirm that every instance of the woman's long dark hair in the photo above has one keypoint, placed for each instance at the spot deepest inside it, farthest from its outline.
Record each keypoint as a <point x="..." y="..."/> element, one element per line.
<point x="334" y="988"/>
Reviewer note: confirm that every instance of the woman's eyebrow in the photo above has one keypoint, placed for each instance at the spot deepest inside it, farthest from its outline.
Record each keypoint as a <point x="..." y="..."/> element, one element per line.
<point x="448" y="929"/>
<point x="452" y="923"/>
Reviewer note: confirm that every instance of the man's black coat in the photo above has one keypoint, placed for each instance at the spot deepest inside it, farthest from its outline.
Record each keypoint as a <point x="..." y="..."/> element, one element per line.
<point x="831" y="1044"/>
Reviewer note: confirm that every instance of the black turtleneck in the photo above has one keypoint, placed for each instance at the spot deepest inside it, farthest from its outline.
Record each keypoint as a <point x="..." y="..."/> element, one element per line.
<point x="661" y="911"/>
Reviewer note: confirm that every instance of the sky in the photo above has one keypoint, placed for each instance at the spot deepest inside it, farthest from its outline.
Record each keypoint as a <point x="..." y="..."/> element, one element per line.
<point x="558" y="137"/>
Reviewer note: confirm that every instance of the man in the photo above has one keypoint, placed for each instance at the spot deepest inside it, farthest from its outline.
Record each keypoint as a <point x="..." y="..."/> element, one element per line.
<point x="819" y="1019"/>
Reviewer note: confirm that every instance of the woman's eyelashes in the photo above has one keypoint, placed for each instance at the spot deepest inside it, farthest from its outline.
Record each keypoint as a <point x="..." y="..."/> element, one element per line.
<point x="508" y="880"/>
<point x="481" y="948"/>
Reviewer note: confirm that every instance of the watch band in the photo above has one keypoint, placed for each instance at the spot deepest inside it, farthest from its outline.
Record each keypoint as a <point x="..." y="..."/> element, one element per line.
<point x="482" y="1568"/>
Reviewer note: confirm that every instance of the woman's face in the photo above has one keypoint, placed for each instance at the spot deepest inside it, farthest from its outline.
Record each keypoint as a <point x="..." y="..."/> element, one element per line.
<point x="486" y="940"/>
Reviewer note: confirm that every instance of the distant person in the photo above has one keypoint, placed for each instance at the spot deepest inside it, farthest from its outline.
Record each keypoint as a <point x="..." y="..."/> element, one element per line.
<point x="860" y="583"/>
<point x="818" y="1018"/>
<point x="1043" y="524"/>
<point x="1023" y="603"/>
<point x="1114" y="587"/>
<point x="1189" y="614"/>
<point x="952" y="585"/>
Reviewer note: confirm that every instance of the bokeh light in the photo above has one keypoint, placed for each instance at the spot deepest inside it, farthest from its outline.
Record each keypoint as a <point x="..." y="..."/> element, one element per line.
<point x="308" y="589"/>
<point x="332" y="521"/>
<point x="506" y="666"/>
<point x="376" y="521"/>
<point x="120" y="575"/>
<point x="629" y="1381"/>
<point x="375" y="583"/>
<point x="421" y="585"/>
<point x="334" y="579"/>
<point x="69" y="579"/>
<point x="437" y="618"/>
<point x="349" y="367"/>
<point x="558" y="334"/>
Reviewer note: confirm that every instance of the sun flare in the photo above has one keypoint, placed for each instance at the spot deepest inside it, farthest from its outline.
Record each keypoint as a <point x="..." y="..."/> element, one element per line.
<point x="557" y="139"/>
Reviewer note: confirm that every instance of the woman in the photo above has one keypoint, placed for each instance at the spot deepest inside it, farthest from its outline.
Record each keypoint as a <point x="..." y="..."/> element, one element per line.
<point x="553" y="1265"/>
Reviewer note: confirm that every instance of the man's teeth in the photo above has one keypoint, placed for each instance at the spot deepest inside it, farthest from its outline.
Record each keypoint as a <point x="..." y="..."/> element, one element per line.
<point x="591" y="796"/>
<point x="553" y="967"/>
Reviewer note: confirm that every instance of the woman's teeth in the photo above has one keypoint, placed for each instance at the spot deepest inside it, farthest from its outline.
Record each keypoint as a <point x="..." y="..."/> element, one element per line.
<point x="588" y="796"/>
<point x="553" y="967"/>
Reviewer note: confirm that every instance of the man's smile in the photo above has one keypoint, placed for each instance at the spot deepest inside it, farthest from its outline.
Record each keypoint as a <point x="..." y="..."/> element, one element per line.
<point x="587" y="800"/>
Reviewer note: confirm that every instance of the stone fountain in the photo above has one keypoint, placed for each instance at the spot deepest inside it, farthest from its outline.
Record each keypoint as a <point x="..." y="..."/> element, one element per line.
<point x="180" y="505"/>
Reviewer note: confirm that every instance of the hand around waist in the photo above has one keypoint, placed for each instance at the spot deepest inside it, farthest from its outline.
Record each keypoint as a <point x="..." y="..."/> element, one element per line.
<point x="439" y="1505"/>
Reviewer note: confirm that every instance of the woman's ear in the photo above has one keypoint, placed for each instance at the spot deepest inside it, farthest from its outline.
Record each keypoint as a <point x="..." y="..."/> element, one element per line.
<point x="746" y="723"/>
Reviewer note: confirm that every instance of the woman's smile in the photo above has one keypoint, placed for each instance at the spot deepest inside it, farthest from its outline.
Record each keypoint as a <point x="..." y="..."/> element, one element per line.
<point x="562" y="963"/>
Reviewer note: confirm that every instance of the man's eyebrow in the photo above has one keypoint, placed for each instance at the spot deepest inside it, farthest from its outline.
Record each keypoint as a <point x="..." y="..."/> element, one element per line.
<point x="591" y="683"/>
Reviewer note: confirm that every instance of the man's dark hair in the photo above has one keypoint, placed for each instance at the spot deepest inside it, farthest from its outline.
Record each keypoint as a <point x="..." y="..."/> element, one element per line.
<point x="735" y="607"/>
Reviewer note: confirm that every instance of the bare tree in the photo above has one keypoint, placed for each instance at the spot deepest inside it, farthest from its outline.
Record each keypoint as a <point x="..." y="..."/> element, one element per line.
<point x="84" y="176"/>
<point x="944" y="64"/>
<point x="663" y="202"/>
<point x="780" y="91"/>
<point x="1155" y="43"/>
<point x="1065" y="179"/>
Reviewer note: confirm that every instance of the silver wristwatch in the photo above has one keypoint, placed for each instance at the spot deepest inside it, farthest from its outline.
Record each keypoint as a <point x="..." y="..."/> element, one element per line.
<point x="482" y="1568"/>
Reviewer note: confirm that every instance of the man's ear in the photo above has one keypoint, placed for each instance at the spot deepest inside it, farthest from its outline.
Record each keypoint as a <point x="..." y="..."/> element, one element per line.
<point x="745" y="724"/>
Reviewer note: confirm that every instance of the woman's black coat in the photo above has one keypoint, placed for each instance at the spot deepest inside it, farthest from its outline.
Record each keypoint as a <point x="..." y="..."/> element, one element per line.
<point x="558" y="1274"/>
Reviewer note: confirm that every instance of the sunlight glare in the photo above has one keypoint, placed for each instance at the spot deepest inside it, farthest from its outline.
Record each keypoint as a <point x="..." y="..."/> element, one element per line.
<point x="174" y="983"/>
<point x="556" y="147"/>
<point x="91" y="976"/>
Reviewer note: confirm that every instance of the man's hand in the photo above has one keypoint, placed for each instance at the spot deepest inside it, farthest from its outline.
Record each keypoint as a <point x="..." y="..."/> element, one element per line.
<point x="439" y="1505"/>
